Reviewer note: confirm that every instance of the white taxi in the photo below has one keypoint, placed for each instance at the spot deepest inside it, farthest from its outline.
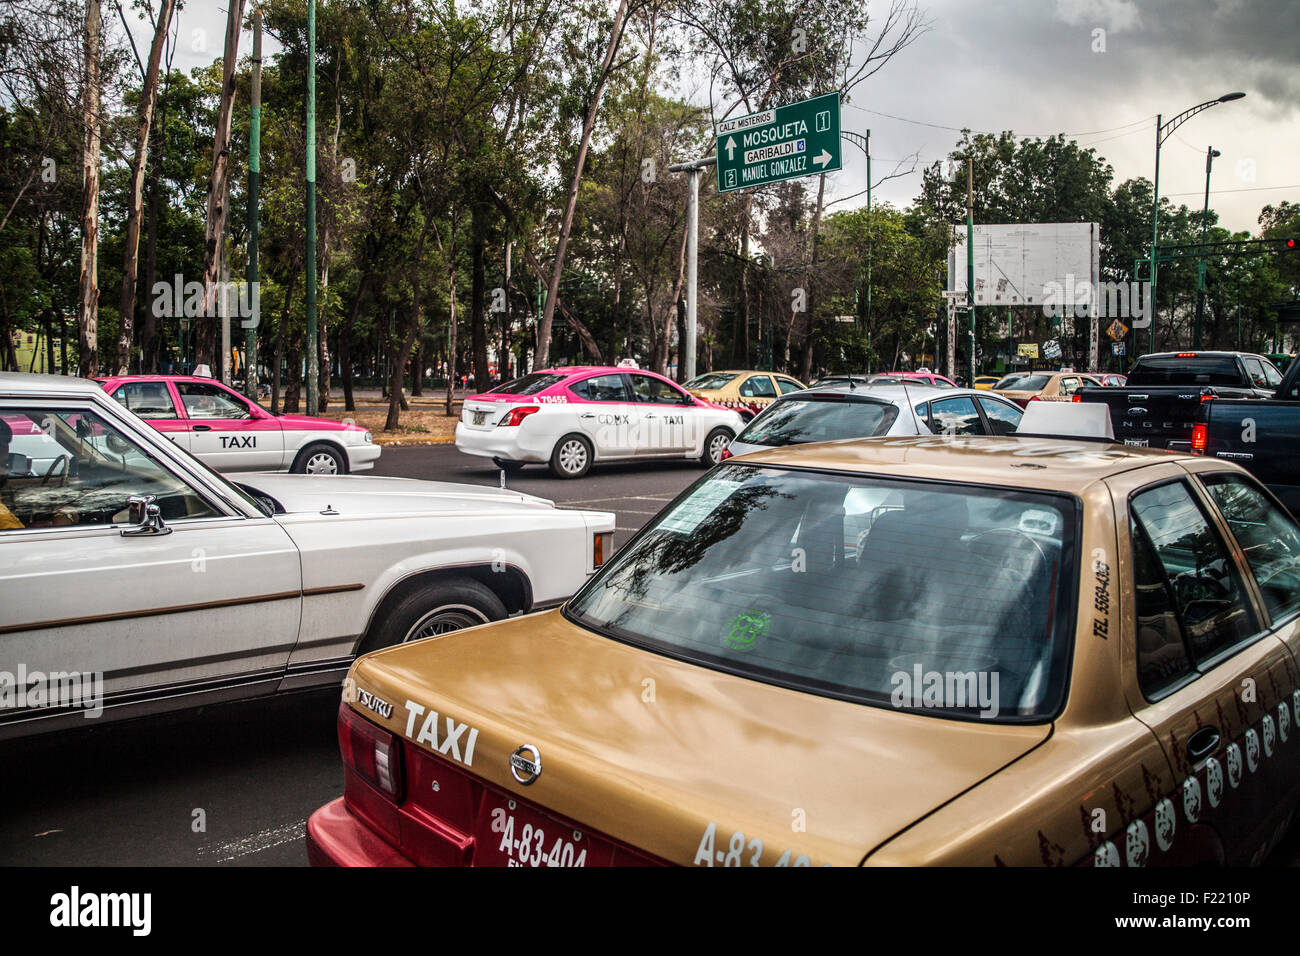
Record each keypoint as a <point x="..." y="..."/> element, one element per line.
<point x="571" y="417"/>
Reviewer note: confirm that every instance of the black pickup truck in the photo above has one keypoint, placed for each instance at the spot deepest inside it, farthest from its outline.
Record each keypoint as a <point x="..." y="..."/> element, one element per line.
<point x="1159" y="404"/>
<point x="1261" y="436"/>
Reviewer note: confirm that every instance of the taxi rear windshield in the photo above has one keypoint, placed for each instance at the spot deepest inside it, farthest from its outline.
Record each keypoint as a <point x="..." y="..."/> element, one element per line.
<point x="1187" y="370"/>
<point x="528" y="384"/>
<point x="943" y="599"/>
<point x="796" y="421"/>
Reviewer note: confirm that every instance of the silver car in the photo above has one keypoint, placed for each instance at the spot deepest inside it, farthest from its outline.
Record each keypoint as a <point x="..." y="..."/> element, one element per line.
<point x="872" y="411"/>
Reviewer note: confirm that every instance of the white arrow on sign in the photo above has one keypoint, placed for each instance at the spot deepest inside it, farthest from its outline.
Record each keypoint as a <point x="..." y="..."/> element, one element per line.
<point x="731" y="149"/>
<point x="822" y="159"/>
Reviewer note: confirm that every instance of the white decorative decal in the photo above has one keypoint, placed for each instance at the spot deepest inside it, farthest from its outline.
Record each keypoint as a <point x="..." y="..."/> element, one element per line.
<point x="1214" y="781"/>
<point x="1166" y="820"/>
<point x="1252" y="750"/>
<point x="1106" y="855"/>
<point x="1192" y="799"/>
<point x="1137" y="844"/>
<point x="1234" y="765"/>
<point x="1283" y="721"/>
<point x="1270" y="735"/>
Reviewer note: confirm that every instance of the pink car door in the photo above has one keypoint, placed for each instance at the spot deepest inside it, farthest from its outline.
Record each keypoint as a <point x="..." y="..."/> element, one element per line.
<point x="227" y="431"/>
<point x="155" y="403"/>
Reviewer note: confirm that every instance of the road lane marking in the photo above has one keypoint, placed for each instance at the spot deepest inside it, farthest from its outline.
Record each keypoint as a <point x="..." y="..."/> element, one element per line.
<point x="255" y="842"/>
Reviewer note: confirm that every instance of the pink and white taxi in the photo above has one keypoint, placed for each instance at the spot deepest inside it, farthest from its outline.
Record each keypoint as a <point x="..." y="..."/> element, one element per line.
<point x="231" y="433"/>
<point x="573" y="416"/>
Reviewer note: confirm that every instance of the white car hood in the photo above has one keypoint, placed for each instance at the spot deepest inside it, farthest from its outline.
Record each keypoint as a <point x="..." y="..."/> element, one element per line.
<point x="352" y="494"/>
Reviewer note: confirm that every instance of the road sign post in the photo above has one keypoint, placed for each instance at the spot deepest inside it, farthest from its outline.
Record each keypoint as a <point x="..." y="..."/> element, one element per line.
<point x="785" y="142"/>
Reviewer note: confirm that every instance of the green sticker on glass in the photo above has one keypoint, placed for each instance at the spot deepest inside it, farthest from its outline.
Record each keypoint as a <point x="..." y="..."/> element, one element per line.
<point x="746" y="628"/>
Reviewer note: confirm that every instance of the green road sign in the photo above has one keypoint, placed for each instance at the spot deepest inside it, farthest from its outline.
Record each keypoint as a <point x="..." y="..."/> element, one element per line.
<point x="787" y="142"/>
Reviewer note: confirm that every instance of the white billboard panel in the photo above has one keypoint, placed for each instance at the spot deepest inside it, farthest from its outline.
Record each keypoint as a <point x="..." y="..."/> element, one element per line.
<point x="1021" y="264"/>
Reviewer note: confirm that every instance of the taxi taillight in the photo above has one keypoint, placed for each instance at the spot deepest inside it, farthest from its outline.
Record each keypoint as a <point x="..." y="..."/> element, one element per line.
<point x="602" y="548"/>
<point x="1200" y="438"/>
<point x="371" y="752"/>
<point x="517" y="415"/>
<point x="1076" y="398"/>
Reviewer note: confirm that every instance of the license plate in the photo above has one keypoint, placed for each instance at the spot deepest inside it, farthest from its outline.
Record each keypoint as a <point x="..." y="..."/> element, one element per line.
<point x="1138" y="442"/>
<point x="480" y="418"/>
<point x="508" y="833"/>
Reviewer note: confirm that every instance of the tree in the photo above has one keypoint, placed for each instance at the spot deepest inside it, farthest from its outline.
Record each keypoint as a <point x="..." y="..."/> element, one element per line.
<point x="148" y="100"/>
<point x="88" y="287"/>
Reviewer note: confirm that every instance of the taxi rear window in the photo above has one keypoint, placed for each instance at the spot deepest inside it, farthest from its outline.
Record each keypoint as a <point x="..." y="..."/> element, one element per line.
<point x="944" y="599"/>
<point x="528" y="384"/>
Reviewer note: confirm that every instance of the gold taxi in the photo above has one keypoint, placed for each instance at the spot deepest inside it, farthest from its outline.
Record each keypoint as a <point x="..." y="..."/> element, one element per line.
<point x="914" y="650"/>
<point x="747" y="392"/>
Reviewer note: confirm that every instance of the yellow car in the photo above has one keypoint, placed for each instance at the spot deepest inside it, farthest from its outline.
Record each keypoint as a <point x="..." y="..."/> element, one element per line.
<point x="747" y="392"/>
<point x="899" y="651"/>
<point x="985" y="382"/>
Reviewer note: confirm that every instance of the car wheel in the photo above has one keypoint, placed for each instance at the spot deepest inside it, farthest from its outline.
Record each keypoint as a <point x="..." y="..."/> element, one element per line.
<point x="571" y="457"/>
<point x="505" y="464"/>
<point x="439" y="609"/>
<point x="714" y="446"/>
<point x="320" y="459"/>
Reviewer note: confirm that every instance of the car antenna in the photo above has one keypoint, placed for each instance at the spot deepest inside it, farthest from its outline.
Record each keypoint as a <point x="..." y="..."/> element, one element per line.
<point x="908" y="398"/>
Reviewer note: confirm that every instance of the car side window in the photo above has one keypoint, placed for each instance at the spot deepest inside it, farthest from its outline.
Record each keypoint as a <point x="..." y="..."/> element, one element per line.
<point x="602" y="388"/>
<point x="653" y="391"/>
<point x="788" y="385"/>
<point x="1208" y="595"/>
<point x="757" y="386"/>
<point x="210" y="401"/>
<point x="1256" y="372"/>
<point x="1162" y="658"/>
<point x="1272" y="375"/>
<point x="1003" y="419"/>
<point x="1267" y="535"/>
<point x="78" y="469"/>
<point x="956" y="416"/>
<point x="147" y="399"/>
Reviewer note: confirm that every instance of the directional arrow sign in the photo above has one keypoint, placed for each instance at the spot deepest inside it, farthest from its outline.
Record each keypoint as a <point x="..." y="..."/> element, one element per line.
<point x="788" y="142"/>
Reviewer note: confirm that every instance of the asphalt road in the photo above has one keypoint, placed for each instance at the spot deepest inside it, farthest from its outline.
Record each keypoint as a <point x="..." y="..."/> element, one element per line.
<point x="232" y="785"/>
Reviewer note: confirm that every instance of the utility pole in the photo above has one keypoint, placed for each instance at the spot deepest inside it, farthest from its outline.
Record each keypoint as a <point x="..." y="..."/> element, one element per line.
<point x="254" y="185"/>
<point x="693" y="172"/>
<point x="313" y="357"/>
<point x="869" y="229"/>
<point x="970" y="258"/>
<point x="1210" y="154"/>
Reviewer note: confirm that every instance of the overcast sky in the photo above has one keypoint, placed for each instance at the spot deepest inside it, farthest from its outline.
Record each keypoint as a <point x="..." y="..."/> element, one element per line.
<point x="1030" y="66"/>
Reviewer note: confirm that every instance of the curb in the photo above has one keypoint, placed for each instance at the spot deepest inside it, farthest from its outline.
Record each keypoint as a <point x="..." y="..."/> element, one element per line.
<point x="415" y="440"/>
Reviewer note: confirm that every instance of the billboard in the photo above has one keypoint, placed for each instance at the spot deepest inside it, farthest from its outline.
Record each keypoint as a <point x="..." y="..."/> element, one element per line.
<point x="1018" y="264"/>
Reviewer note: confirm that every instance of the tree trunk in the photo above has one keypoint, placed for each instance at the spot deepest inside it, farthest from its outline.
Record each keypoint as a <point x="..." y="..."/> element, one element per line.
<point x="323" y="393"/>
<point x="478" y="297"/>
<point x="413" y="326"/>
<point x="88" y="287"/>
<point x="208" y="346"/>
<point x="131" y="255"/>
<point x="566" y="223"/>
<point x="150" y="348"/>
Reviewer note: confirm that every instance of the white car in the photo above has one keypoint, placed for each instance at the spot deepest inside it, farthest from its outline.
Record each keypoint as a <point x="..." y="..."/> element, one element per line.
<point x="126" y="560"/>
<point x="574" y="416"/>
<point x="834" y="412"/>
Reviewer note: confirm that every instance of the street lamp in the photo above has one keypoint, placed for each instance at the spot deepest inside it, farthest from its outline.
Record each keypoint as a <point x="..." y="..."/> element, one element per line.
<point x="864" y="143"/>
<point x="1163" y="132"/>
<point x="1210" y="154"/>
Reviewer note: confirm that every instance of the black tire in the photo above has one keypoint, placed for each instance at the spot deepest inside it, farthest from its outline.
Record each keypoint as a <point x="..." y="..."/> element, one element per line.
<point x="506" y="464"/>
<point x="445" y="606"/>
<point x="717" y="440"/>
<point x="571" y="457"/>
<point x="315" y="459"/>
